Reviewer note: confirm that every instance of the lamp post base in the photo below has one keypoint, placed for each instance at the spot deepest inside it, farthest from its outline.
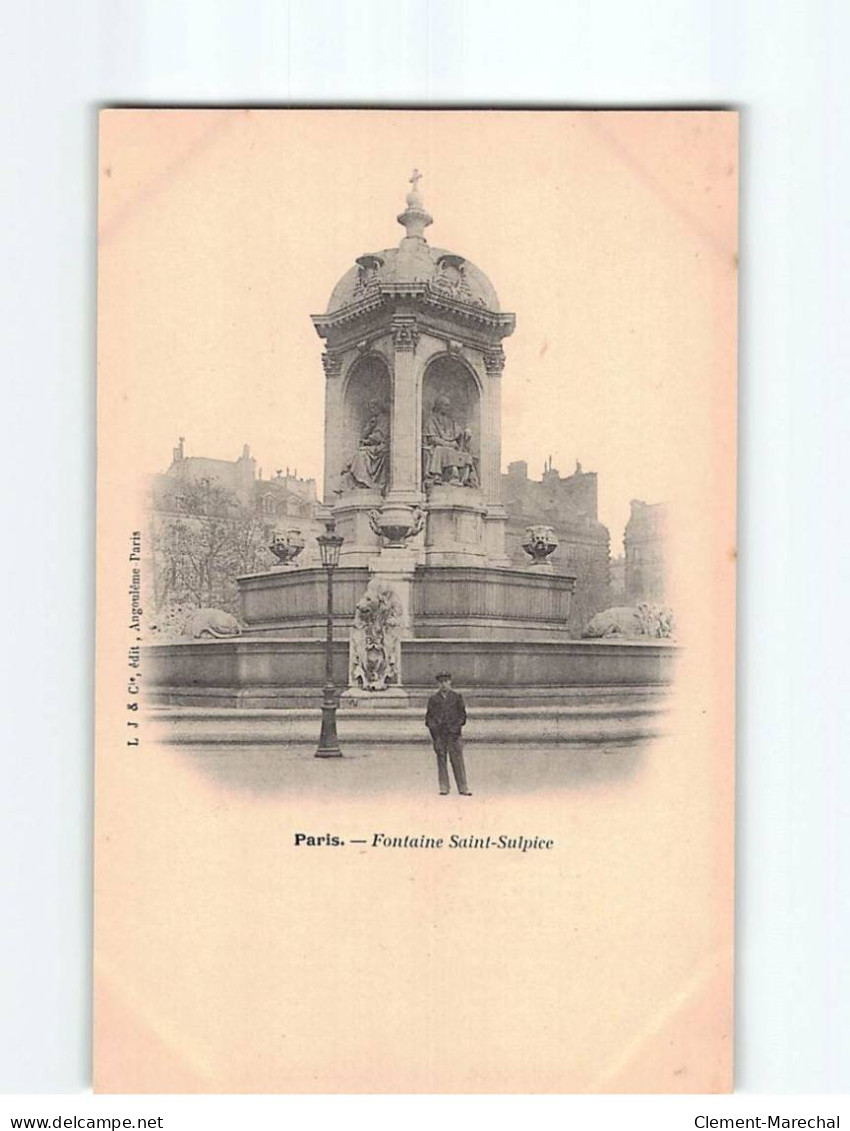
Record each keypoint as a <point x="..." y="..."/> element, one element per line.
<point x="328" y="742"/>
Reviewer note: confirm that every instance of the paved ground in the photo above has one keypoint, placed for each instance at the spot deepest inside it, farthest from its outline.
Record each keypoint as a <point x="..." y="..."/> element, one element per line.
<point x="492" y="770"/>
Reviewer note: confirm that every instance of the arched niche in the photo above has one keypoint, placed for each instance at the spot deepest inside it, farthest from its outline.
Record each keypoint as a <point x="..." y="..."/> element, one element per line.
<point x="449" y="377"/>
<point x="367" y="394"/>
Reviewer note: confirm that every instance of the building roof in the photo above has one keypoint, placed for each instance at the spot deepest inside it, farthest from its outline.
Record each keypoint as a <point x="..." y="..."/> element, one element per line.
<point x="197" y="467"/>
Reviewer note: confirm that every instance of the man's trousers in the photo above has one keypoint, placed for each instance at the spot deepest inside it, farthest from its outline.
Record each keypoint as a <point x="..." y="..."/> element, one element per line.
<point x="450" y="746"/>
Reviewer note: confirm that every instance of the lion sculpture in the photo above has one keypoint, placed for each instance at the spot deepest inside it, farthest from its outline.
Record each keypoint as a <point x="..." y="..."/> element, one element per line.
<point x="630" y="621"/>
<point x="211" y="622"/>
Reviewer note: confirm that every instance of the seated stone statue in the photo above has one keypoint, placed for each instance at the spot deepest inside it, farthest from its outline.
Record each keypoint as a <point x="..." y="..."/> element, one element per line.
<point x="448" y="458"/>
<point x="367" y="469"/>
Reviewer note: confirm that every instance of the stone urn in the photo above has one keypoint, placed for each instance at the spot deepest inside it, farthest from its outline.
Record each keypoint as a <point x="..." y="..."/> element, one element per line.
<point x="286" y="545"/>
<point x="396" y="523"/>
<point x="539" y="543"/>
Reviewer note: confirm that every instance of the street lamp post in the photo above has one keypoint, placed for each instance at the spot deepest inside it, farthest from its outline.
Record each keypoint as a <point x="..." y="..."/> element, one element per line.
<point x="330" y="544"/>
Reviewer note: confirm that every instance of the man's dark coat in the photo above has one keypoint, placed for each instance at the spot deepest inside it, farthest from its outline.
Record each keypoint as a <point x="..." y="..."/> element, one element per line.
<point x="446" y="713"/>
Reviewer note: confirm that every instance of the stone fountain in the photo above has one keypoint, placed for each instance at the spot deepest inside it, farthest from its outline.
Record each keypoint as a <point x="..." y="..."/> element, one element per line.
<point x="413" y="368"/>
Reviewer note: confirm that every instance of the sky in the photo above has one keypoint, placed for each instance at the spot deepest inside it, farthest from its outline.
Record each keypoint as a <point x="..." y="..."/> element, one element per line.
<point x="611" y="235"/>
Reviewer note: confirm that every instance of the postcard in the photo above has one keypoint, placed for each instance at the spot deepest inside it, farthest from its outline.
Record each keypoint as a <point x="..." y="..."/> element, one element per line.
<point x="416" y="601"/>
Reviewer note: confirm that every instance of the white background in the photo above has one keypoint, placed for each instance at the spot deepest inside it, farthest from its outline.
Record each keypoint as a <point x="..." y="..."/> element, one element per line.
<point x="784" y="64"/>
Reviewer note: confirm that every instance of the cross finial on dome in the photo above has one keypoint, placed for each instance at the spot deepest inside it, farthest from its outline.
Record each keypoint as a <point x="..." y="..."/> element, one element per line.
<point x="414" y="219"/>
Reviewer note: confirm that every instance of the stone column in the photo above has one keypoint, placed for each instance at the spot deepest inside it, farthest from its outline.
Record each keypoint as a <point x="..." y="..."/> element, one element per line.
<point x="491" y="471"/>
<point x="332" y="363"/>
<point x="395" y="565"/>
<point x="405" y="458"/>
<point x="494" y="363"/>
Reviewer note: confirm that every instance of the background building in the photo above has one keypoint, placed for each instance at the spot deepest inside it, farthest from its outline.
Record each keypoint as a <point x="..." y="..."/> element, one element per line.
<point x="644" y="542"/>
<point x="569" y="505"/>
<point x="283" y="495"/>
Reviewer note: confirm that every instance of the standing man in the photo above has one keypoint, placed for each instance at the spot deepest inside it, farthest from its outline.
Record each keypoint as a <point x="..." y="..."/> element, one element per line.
<point x="445" y="718"/>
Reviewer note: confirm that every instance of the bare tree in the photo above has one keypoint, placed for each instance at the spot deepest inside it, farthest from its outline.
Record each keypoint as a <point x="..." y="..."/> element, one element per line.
<point x="202" y="538"/>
